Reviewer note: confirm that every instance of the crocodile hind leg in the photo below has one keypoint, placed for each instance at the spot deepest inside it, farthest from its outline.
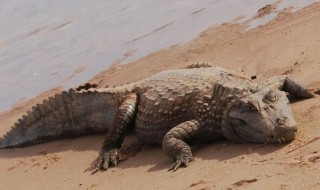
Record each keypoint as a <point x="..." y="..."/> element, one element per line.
<point x="174" y="143"/>
<point x="109" y="153"/>
<point x="289" y="85"/>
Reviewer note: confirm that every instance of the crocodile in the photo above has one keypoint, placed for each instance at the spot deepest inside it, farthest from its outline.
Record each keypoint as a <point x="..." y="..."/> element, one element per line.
<point x="174" y="108"/>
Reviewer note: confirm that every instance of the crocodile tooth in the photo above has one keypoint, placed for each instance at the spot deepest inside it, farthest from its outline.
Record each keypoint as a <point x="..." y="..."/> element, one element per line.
<point x="176" y="108"/>
<point x="233" y="100"/>
<point x="171" y="99"/>
<point x="189" y="92"/>
<point x="207" y="97"/>
<point x="283" y="140"/>
<point x="279" y="140"/>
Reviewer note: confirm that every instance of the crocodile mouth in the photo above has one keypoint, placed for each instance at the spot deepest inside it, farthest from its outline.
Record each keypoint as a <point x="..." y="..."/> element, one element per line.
<point x="249" y="133"/>
<point x="288" y="136"/>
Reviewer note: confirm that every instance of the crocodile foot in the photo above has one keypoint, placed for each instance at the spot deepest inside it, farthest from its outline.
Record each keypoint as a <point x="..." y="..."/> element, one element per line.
<point x="181" y="160"/>
<point x="106" y="159"/>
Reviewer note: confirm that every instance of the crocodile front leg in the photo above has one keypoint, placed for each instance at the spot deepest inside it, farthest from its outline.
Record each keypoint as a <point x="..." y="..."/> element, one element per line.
<point x="289" y="85"/>
<point x="109" y="153"/>
<point x="174" y="143"/>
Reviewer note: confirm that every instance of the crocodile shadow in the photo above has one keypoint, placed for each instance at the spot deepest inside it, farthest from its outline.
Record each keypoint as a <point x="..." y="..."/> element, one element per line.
<point x="136" y="155"/>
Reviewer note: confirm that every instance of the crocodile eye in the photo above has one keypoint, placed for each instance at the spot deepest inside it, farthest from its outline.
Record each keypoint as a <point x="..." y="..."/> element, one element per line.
<point x="252" y="109"/>
<point x="271" y="96"/>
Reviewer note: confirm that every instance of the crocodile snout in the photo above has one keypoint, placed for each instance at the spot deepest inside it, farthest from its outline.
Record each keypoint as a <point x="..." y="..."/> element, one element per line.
<point x="284" y="131"/>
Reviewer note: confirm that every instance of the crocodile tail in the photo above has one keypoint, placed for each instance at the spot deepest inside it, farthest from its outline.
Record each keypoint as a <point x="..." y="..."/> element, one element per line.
<point x="68" y="114"/>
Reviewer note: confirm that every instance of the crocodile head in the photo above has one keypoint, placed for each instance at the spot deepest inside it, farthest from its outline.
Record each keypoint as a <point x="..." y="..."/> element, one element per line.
<point x="264" y="116"/>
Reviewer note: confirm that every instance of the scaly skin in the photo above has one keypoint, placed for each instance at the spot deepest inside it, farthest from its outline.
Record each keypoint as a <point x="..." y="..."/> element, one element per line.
<point x="172" y="108"/>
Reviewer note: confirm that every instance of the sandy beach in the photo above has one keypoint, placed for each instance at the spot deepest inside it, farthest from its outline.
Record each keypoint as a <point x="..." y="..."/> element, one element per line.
<point x="287" y="45"/>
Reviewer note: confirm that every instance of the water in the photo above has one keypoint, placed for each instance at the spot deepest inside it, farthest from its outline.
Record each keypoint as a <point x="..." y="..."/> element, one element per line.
<point x="46" y="43"/>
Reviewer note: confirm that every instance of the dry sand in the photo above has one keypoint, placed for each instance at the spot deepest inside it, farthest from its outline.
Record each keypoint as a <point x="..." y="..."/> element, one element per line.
<point x="287" y="45"/>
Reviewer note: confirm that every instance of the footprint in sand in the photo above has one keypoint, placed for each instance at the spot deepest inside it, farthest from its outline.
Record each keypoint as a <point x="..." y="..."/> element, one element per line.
<point x="313" y="158"/>
<point x="244" y="182"/>
<point x="48" y="159"/>
<point x="306" y="160"/>
<point x="200" y="183"/>
<point x="45" y="160"/>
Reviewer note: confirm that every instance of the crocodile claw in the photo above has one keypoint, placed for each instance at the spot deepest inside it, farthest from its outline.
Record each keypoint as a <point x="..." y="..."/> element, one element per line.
<point x="106" y="159"/>
<point x="181" y="161"/>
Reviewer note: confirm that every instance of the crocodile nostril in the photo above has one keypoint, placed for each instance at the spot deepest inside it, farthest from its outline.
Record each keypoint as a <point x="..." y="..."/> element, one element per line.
<point x="294" y="128"/>
<point x="282" y="121"/>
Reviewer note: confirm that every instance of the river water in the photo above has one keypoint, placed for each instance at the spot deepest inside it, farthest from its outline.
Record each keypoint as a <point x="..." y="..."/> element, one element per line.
<point x="47" y="43"/>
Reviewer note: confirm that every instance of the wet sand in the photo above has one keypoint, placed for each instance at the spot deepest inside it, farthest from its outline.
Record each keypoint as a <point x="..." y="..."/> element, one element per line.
<point x="289" y="44"/>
